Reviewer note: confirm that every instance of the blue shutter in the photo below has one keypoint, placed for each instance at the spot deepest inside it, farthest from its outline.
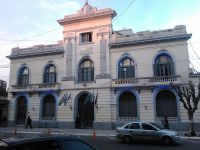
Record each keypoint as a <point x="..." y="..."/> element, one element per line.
<point x="92" y="73"/>
<point x="120" y="72"/>
<point x="171" y="69"/>
<point x="155" y="69"/>
<point x="131" y="71"/>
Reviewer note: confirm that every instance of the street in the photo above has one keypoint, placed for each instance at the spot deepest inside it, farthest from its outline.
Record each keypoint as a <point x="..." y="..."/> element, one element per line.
<point x="111" y="143"/>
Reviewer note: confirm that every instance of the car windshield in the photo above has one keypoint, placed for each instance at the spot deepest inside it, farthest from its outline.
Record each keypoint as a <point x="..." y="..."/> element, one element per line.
<point x="157" y="125"/>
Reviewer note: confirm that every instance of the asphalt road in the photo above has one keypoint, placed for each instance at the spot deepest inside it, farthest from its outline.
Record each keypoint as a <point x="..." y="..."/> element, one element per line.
<point x="111" y="143"/>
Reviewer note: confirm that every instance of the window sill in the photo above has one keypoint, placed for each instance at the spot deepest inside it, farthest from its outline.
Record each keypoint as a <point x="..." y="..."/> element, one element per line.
<point x="86" y="43"/>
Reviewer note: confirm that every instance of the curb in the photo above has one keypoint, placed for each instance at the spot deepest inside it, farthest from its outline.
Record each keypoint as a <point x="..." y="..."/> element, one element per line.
<point x="82" y="134"/>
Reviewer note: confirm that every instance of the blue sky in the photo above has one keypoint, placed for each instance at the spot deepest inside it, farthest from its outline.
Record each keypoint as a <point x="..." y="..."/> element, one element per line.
<point x="20" y="19"/>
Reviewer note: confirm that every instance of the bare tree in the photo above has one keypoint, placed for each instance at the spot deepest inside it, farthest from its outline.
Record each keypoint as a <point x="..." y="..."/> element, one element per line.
<point x="190" y="99"/>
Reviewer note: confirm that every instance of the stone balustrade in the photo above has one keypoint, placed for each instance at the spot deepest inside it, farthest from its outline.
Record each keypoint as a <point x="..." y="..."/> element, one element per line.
<point x="146" y="81"/>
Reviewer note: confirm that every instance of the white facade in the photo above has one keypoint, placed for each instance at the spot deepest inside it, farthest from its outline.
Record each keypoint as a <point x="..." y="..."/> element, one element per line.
<point x="91" y="47"/>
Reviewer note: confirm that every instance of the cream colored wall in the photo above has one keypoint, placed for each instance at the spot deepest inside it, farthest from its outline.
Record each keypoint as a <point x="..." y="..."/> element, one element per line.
<point x="87" y="24"/>
<point x="36" y="66"/>
<point x="91" y="49"/>
<point x="144" y="55"/>
<point x="146" y="106"/>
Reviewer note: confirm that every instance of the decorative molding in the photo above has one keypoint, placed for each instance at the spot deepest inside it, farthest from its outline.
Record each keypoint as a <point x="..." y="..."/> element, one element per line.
<point x="103" y="76"/>
<point x="149" y="41"/>
<point x="102" y="35"/>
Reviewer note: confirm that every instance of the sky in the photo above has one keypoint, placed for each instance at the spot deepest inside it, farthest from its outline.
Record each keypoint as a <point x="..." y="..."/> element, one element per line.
<point x="24" y="23"/>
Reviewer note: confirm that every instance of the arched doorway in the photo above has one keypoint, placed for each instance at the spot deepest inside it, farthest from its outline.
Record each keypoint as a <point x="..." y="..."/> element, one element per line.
<point x="128" y="106"/>
<point x="21" y="110"/>
<point x="166" y="104"/>
<point x="86" y="110"/>
<point x="49" y="108"/>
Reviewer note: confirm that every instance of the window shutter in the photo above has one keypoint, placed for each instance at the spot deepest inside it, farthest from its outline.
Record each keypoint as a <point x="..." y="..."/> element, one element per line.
<point x="79" y="74"/>
<point x="155" y="69"/>
<point x="172" y="69"/>
<point x="92" y="73"/>
<point x="120" y="72"/>
<point x="131" y="71"/>
<point x="55" y="76"/>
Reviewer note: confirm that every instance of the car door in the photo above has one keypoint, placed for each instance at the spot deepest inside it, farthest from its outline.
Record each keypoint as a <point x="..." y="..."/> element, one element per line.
<point x="149" y="132"/>
<point x="135" y="131"/>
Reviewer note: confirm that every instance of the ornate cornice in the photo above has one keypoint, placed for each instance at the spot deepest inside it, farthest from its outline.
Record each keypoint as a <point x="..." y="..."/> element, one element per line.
<point x="150" y="41"/>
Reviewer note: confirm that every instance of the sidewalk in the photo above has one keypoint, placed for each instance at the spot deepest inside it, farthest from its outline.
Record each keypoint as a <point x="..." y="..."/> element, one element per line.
<point x="86" y="132"/>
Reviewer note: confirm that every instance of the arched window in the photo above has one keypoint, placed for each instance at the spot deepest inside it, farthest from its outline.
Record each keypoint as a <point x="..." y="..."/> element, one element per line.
<point x="86" y="71"/>
<point x="166" y="104"/>
<point x="23" y="76"/>
<point x="50" y="74"/>
<point x="49" y="108"/>
<point x="127" y="105"/>
<point x="163" y="66"/>
<point x="126" y="68"/>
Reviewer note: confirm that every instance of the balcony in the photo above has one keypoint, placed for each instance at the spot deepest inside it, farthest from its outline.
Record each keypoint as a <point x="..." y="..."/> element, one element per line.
<point x="170" y="119"/>
<point x="145" y="81"/>
<point x="49" y="85"/>
<point x="35" y="87"/>
<point x="166" y="79"/>
<point x="127" y="119"/>
<point x="128" y="81"/>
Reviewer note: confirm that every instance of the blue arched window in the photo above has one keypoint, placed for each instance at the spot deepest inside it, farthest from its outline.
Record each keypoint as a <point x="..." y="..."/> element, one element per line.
<point x="86" y="71"/>
<point x="50" y="74"/>
<point x="163" y="65"/>
<point x="126" y="68"/>
<point x="23" y="76"/>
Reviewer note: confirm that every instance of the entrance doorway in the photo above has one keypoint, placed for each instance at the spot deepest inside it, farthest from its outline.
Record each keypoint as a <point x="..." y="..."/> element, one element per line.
<point x="86" y="110"/>
<point x="21" y="111"/>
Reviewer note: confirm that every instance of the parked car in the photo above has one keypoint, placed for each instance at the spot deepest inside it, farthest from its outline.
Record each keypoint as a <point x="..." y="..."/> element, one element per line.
<point x="45" y="143"/>
<point x="139" y="131"/>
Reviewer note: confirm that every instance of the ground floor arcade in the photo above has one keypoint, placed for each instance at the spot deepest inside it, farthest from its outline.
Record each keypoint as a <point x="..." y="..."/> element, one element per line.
<point x="96" y="108"/>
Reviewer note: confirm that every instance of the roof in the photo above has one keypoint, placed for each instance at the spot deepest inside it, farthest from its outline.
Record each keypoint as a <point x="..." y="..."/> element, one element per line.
<point x="37" y="50"/>
<point x="125" y="38"/>
<point x="18" y="140"/>
<point x="87" y="12"/>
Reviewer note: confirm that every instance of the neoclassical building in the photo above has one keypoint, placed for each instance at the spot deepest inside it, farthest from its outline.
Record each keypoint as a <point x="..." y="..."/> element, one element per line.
<point x="107" y="77"/>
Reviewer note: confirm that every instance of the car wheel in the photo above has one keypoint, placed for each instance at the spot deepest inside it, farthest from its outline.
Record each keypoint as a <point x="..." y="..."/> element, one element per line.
<point x="167" y="141"/>
<point x="127" y="139"/>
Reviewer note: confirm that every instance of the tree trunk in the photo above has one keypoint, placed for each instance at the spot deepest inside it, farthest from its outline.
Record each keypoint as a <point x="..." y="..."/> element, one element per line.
<point x="191" y="124"/>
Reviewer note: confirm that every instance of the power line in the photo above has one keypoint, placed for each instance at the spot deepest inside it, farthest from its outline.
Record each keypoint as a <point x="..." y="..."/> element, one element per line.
<point x="194" y="50"/>
<point x="124" y="10"/>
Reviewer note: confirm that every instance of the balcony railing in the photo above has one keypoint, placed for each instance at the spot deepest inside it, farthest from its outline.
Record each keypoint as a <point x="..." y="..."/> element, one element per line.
<point x="127" y="119"/>
<point x="125" y="81"/>
<point x="164" y="79"/>
<point x="35" y="87"/>
<point x="146" y="81"/>
<point x="171" y="119"/>
<point x="21" y="86"/>
<point x="49" y="85"/>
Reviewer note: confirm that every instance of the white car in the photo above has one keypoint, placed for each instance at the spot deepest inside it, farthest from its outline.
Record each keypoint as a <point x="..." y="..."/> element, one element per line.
<point x="139" y="131"/>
